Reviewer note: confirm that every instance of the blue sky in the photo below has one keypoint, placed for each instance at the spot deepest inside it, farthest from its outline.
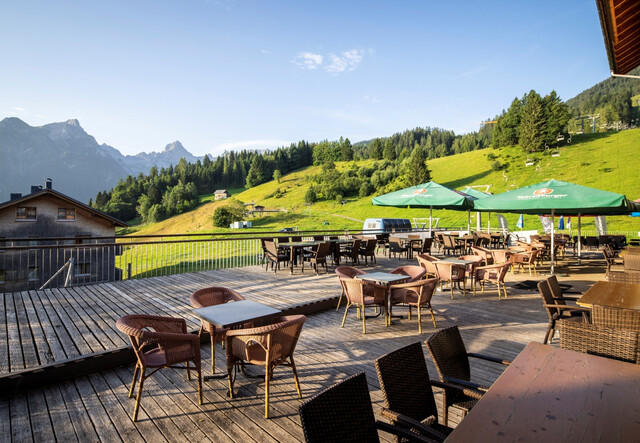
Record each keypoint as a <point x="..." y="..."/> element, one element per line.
<point x="224" y="74"/>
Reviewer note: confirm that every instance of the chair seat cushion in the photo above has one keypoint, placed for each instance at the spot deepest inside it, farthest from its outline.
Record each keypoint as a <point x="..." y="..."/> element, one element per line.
<point x="157" y="358"/>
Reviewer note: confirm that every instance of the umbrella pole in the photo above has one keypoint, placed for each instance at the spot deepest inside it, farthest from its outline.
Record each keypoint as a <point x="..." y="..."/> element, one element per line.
<point x="489" y="223"/>
<point x="579" y="238"/>
<point x="468" y="221"/>
<point x="553" y="222"/>
<point x="478" y="221"/>
<point x="430" y="220"/>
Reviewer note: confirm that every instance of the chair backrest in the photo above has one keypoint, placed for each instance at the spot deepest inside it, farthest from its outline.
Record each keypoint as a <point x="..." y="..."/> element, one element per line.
<point x="348" y="271"/>
<point x="426" y="246"/>
<point x="593" y="339"/>
<point x="501" y="256"/>
<point x="449" y="241"/>
<point x="215" y="295"/>
<point x="370" y="248"/>
<point x="427" y="262"/>
<point x="395" y="245"/>
<point x="355" y="249"/>
<point x="353" y="289"/>
<point x="323" y="250"/>
<point x="449" y="354"/>
<point x="340" y="413"/>
<point x="405" y="384"/>
<point x="414" y="272"/>
<point x="270" y="248"/>
<point x="450" y="271"/>
<point x="624" y="277"/>
<point x="547" y="299"/>
<point x="556" y="290"/>
<point x="284" y="332"/>
<point x="422" y="289"/>
<point x="296" y="238"/>
<point x="618" y="318"/>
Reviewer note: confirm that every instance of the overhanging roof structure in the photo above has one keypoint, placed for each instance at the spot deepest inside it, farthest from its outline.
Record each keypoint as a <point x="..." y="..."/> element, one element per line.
<point x="620" y="22"/>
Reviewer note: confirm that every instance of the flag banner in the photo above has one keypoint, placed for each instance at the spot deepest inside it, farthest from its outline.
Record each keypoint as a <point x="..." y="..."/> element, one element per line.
<point x="569" y="223"/>
<point x="561" y="223"/>
<point x="502" y="222"/>
<point x="546" y="224"/>
<point x="601" y="224"/>
<point x="520" y="223"/>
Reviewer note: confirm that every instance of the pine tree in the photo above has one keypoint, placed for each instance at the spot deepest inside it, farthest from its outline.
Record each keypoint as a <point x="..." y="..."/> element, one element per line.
<point x="417" y="171"/>
<point x="389" y="152"/>
<point x="533" y="124"/>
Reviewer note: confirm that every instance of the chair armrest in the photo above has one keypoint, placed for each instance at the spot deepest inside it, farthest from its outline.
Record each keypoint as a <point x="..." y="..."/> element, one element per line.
<point x="567" y="307"/>
<point x="468" y="388"/>
<point x="489" y="358"/>
<point x="422" y="427"/>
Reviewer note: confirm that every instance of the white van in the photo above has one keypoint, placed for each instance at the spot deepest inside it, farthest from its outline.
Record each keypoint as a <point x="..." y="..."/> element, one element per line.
<point x="379" y="225"/>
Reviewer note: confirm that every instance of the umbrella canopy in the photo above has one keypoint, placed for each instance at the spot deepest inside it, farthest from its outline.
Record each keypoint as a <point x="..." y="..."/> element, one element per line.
<point x="475" y="193"/>
<point x="426" y="195"/>
<point x="560" y="197"/>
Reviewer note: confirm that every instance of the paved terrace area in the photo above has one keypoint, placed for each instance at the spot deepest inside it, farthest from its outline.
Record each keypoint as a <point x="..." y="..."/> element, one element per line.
<point x="54" y="331"/>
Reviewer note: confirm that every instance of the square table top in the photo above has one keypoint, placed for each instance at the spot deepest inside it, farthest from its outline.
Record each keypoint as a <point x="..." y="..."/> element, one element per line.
<point x="618" y="295"/>
<point x="554" y="394"/>
<point x="382" y="277"/>
<point x="298" y="244"/>
<point x="235" y="313"/>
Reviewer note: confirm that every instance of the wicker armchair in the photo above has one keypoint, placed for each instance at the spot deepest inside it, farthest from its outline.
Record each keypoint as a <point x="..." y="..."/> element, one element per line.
<point x="487" y="256"/>
<point x="346" y="272"/>
<point x="427" y="262"/>
<point x="160" y="342"/>
<point x="216" y="295"/>
<point x="610" y="259"/>
<point x="424" y="248"/>
<point x="318" y="257"/>
<point x="408" y="391"/>
<point x="624" y="277"/>
<point x="450" y="245"/>
<point x="344" y="413"/>
<point x="451" y="358"/>
<point x="414" y="272"/>
<point x="267" y="346"/>
<point x="525" y="258"/>
<point x="617" y="318"/>
<point x="395" y="247"/>
<point x="557" y="309"/>
<point x="500" y="256"/>
<point x="273" y="256"/>
<point x="369" y="250"/>
<point x="452" y="273"/>
<point x="361" y="293"/>
<point x="352" y="252"/>
<point x="599" y="340"/>
<point x="493" y="274"/>
<point x="416" y="294"/>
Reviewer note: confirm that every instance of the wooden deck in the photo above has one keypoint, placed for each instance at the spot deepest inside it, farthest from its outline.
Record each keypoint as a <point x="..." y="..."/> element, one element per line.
<point x="44" y="328"/>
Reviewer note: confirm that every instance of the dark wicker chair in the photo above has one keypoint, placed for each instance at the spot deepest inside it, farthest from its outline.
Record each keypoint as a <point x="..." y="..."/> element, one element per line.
<point x="617" y="344"/>
<point x="557" y="309"/>
<point x="361" y="293"/>
<point x="424" y="248"/>
<point x="352" y="252"/>
<point x="395" y="248"/>
<point x="318" y="257"/>
<point x="273" y="256"/>
<point x="160" y="342"/>
<point x="266" y="346"/>
<point x="416" y="294"/>
<point x="617" y="318"/>
<point x="451" y="358"/>
<point x="216" y="295"/>
<point x="344" y="413"/>
<point x="624" y="277"/>
<point x="369" y="250"/>
<point x="408" y="391"/>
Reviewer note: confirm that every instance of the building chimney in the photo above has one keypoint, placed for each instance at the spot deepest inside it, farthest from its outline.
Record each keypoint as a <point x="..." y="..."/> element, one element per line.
<point x="36" y="188"/>
<point x="47" y="183"/>
<point x="16" y="195"/>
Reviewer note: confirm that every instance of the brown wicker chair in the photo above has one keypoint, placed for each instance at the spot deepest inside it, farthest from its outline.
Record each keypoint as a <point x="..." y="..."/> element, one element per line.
<point x="500" y="256"/>
<point x="624" y="277"/>
<point x="215" y="295"/>
<point x="617" y="318"/>
<point x="451" y="359"/>
<point x="452" y="273"/>
<point x="357" y="293"/>
<point x="525" y="258"/>
<point x="427" y="262"/>
<point x="416" y="294"/>
<point x="352" y="252"/>
<point x="273" y="256"/>
<point x="493" y="274"/>
<point x="557" y="309"/>
<point x="450" y="245"/>
<point x="610" y="259"/>
<point x="414" y="272"/>
<point x="266" y="346"/>
<point x="486" y="254"/>
<point x="318" y="257"/>
<point x="395" y="247"/>
<point x="369" y="250"/>
<point x="344" y="413"/>
<point x="593" y="339"/>
<point x="471" y="267"/>
<point x="346" y="272"/>
<point x="408" y="391"/>
<point x="160" y="342"/>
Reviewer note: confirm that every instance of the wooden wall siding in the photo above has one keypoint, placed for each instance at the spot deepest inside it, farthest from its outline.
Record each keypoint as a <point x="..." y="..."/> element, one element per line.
<point x="45" y="326"/>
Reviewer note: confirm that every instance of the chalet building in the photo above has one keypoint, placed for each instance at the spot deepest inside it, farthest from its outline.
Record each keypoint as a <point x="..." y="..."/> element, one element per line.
<point x="47" y="232"/>
<point x="221" y="194"/>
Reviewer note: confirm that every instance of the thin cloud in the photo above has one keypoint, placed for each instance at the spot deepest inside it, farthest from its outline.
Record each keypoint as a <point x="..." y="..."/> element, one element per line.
<point x="308" y="60"/>
<point x="475" y="71"/>
<point x="347" y="61"/>
<point x="17" y="110"/>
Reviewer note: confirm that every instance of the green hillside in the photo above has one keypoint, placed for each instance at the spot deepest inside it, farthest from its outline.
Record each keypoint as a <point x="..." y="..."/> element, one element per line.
<point x="605" y="161"/>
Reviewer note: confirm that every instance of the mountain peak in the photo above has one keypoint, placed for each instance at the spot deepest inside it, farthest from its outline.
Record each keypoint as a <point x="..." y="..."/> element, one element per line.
<point x="73" y="122"/>
<point x="173" y="147"/>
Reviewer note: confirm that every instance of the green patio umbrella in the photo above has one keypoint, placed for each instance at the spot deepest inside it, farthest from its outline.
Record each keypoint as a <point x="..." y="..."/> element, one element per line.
<point x="476" y="195"/>
<point x="557" y="198"/>
<point x="427" y="195"/>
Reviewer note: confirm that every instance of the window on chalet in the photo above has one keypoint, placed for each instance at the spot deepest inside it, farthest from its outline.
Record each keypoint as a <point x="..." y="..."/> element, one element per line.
<point x="25" y="213"/>
<point x="83" y="239"/>
<point x="33" y="240"/>
<point x="33" y="273"/>
<point x="66" y="213"/>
